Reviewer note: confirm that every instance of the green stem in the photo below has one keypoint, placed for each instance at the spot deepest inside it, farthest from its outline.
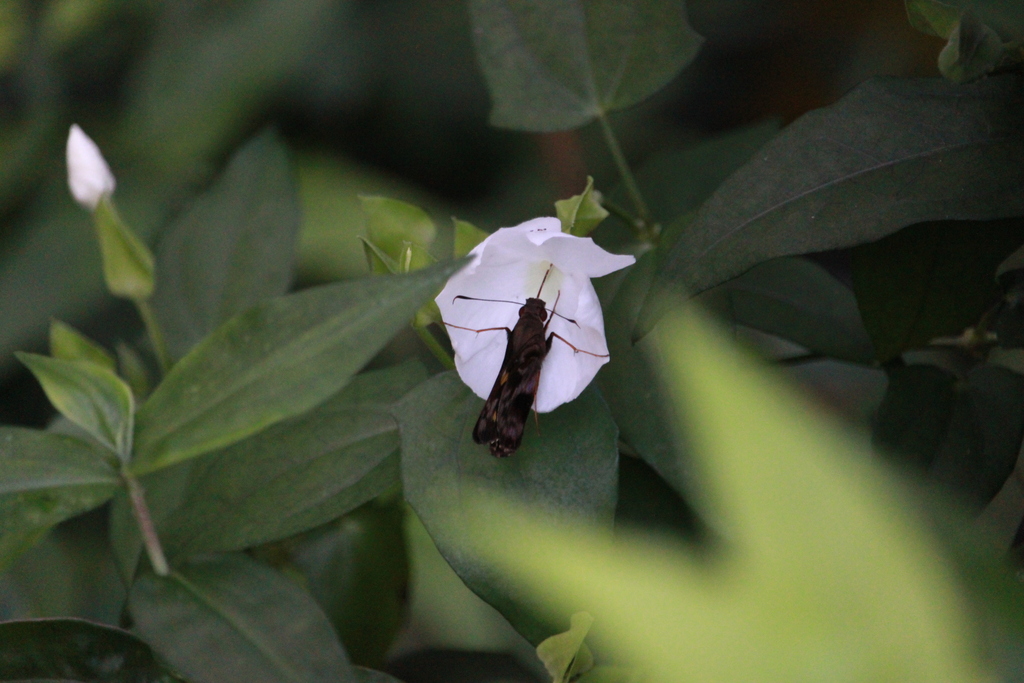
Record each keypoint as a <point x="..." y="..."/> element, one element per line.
<point x="146" y="528"/>
<point x="435" y="347"/>
<point x="155" y="334"/>
<point x="620" y="213"/>
<point x="632" y="189"/>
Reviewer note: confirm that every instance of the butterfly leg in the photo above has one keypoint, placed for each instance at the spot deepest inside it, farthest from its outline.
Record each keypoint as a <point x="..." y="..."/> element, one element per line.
<point x="574" y="349"/>
<point x="486" y="329"/>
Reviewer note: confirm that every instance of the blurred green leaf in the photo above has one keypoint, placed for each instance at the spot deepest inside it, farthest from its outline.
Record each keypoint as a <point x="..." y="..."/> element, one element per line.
<point x="964" y="433"/>
<point x="364" y="675"/>
<point x="90" y="395"/>
<point x="73" y="649"/>
<point x="878" y="606"/>
<point x="229" y="618"/>
<point x="208" y="71"/>
<point x="44" y="479"/>
<point x="127" y="261"/>
<point x="930" y="280"/>
<point x="890" y="153"/>
<point x="581" y="213"/>
<point x="613" y="674"/>
<point x="52" y="271"/>
<point x="356" y="568"/>
<point x="932" y="17"/>
<point x="570" y="468"/>
<point x="401" y="230"/>
<point x="66" y="21"/>
<point x="552" y="66"/>
<point x="467" y="236"/>
<point x="134" y="371"/>
<point x="1005" y="17"/>
<point x="973" y="50"/>
<point x="565" y="655"/>
<point x="276" y="360"/>
<point x="67" y="343"/>
<point x="234" y="247"/>
<point x="798" y="300"/>
<point x="297" y="474"/>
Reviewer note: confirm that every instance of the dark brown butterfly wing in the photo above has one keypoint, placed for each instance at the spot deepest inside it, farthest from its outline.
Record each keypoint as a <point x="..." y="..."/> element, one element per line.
<point x="486" y="429"/>
<point x="506" y="410"/>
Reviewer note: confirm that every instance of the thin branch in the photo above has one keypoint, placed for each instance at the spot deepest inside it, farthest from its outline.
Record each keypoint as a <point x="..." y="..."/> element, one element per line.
<point x="146" y="528"/>
<point x="647" y="230"/>
<point x="156" y="335"/>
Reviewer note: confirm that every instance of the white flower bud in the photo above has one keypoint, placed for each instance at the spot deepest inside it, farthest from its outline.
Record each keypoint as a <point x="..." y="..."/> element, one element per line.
<point x="508" y="268"/>
<point x="89" y="177"/>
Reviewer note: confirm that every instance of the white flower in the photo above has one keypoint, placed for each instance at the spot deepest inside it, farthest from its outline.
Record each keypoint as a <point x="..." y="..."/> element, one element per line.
<point x="509" y="266"/>
<point x="89" y="177"/>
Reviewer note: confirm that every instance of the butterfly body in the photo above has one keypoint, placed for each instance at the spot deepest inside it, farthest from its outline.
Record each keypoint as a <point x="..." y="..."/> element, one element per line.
<point x="504" y="415"/>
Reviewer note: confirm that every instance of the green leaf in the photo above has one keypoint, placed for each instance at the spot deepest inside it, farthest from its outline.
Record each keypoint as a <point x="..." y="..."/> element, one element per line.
<point x="570" y="468"/>
<point x="973" y="50"/>
<point x="67" y="343"/>
<point x="44" y="479"/>
<point x="798" y="300"/>
<point x="467" y="236"/>
<point x="984" y="434"/>
<point x="276" y="360"/>
<point x="401" y="230"/>
<point x="73" y="649"/>
<point x="234" y="247"/>
<point x="964" y="434"/>
<point x="69" y="573"/>
<point x="914" y="415"/>
<point x="581" y="213"/>
<point x="379" y="262"/>
<point x="91" y="396"/>
<point x="553" y="66"/>
<point x="565" y="655"/>
<point x="930" y="280"/>
<point x="357" y="570"/>
<point x="127" y="261"/>
<point x="784" y="485"/>
<point x="254" y="625"/>
<point x="932" y="17"/>
<point x="629" y="383"/>
<point x="297" y="474"/>
<point x="891" y="153"/>
<point x="675" y="182"/>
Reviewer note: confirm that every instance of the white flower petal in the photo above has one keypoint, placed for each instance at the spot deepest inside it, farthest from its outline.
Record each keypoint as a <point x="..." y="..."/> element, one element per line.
<point x="89" y="177"/>
<point x="508" y="268"/>
<point x="581" y="255"/>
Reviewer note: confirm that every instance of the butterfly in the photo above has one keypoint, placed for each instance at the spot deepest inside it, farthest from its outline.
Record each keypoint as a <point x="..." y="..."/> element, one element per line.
<point x="503" y="418"/>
